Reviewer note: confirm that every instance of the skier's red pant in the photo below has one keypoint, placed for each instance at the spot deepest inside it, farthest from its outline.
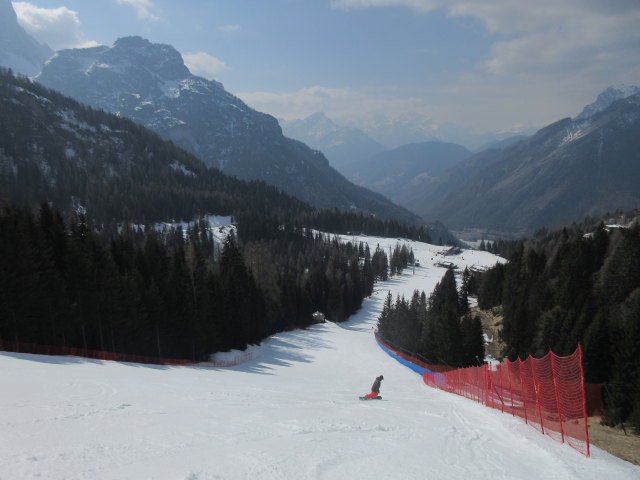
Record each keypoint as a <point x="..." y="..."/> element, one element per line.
<point x="371" y="395"/>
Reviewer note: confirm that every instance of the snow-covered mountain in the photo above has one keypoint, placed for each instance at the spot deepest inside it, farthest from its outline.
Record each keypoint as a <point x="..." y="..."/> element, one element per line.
<point x="150" y="84"/>
<point x="19" y="50"/>
<point x="606" y="98"/>
<point x="341" y="145"/>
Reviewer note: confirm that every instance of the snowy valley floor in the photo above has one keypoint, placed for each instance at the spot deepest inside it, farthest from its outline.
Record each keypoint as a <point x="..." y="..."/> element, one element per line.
<point x="290" y="413"/>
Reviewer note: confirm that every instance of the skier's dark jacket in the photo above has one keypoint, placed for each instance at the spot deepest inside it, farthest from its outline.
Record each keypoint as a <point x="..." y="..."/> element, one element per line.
<point x="376" y="385"/>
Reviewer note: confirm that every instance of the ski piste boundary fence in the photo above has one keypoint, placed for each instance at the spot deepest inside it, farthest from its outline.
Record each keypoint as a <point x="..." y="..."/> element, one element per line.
<point x="32" y="348"/>
<point x="547" y="393"/>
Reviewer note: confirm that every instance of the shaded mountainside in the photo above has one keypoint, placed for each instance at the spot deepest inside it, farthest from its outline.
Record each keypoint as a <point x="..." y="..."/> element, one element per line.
<point x="566" y="171"/>
<point x="150" y="84"/>
<point x="502" y="144"/>
<point x="56" y="150"/>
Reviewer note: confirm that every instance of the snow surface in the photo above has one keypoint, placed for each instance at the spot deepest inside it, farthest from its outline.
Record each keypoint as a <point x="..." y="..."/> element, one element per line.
<point x="291" y="412"/>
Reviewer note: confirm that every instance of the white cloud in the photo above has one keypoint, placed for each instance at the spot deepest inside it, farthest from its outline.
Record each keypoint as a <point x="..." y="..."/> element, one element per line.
<point x="229" y="28"/>
<point x="422" y="6"/>
<point x="144" y="8"/>
<point x="57" y="27"/>
<point x="301" y="103"/>
<point x="339" y="103"/>
<point x="544" y="37"/>
<point x="204" y="65"/>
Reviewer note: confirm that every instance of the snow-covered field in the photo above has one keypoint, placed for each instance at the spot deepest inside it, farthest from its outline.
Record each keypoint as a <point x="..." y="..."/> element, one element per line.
<point x="292" y="412"/>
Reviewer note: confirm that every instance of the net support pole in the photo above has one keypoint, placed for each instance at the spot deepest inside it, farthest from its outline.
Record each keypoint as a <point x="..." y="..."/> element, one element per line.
<point x="513" y="408"/>
<point x="502" y="389"/>
<point x="584" y="404"/>
<point x="536" y="389"/>
<point x="522" y="392"/>
<point x="555" y="391"/>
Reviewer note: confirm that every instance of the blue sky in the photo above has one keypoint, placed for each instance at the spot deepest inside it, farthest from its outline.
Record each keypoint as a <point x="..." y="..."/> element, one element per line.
<point x="435" y="64"/>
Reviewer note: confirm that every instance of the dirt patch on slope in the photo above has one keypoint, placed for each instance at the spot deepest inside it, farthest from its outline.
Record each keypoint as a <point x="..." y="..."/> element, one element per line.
<point x="614" y="440"/>
<point x="491" y="324"/>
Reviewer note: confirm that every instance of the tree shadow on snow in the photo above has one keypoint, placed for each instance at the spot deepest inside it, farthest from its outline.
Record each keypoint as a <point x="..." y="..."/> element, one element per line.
<point x="73" y="360"/>
<point x="286" y="349"/>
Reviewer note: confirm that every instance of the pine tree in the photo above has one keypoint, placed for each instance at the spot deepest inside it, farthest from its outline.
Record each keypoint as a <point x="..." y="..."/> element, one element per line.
<point x="472" y="341"/>
<point x="441" y="339"/>
<point x="464" y="292"/>
<point x="385" y="316"/>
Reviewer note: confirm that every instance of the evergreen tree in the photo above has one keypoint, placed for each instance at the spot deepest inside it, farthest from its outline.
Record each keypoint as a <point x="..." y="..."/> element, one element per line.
<point x="491" y="287"/>
<point x="384" y="319"/>
<point x="472" y="341"/>
<point x="464" y="292"/>
<point x="441" y="339"/>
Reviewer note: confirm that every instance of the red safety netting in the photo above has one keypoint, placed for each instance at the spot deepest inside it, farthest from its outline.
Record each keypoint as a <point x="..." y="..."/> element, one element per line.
<point x="21" y="347"/>
<point x="548" y="393"/>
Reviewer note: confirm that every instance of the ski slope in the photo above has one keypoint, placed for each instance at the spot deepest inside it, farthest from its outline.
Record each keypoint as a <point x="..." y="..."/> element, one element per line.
<point x="290" y="413"/>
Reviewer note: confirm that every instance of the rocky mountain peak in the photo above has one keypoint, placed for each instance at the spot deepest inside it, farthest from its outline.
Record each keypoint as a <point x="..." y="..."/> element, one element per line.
<point x="133" y="77"/>
<point x="341" y="144"/>
<point x="163" y="60"/>
<point x="606" y="98"/>
<point x="319" y="118"/>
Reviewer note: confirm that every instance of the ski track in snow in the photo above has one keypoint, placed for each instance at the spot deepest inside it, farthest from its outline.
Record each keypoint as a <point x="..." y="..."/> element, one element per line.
<point x="290" y="413"/>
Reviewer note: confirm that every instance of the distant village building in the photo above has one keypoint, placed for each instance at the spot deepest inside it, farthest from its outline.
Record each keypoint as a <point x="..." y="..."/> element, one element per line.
<point x="449" y="265"/>
<point x="478" y="269"/>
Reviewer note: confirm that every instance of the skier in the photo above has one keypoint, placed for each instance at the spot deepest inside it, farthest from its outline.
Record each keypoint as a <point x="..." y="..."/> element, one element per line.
<point x="375" y="388"/>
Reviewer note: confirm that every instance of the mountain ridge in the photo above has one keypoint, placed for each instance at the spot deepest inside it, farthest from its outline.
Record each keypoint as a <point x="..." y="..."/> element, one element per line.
<point x="566" y="171"/>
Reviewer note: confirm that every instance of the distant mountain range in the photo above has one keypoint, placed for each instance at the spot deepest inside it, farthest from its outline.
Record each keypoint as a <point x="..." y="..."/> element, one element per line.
<point x="341" y="145"/>
<point x="150" y="84"/>
<point x="402" y="172"/>
<point x="19" y="50"/>
<point x="566" y="171"/>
